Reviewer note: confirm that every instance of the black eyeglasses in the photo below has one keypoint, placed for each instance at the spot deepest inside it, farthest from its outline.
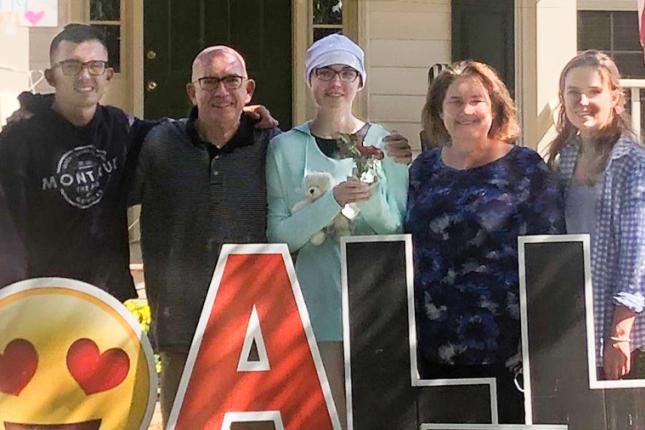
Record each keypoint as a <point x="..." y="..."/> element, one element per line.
<point x="74" y="67"/>
<point x="326" y="74"/>
<point x="211" y="83"/>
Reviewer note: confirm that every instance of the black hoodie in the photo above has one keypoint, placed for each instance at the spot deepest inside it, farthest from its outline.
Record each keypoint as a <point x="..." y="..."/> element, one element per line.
<point x="12" y="253"/>
<point x="66" y="191"/>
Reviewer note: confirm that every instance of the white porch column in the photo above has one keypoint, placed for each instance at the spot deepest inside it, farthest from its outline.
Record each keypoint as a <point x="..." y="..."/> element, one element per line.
<point x="545" y="32"/>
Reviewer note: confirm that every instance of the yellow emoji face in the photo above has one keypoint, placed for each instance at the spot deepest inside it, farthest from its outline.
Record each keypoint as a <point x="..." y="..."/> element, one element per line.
<point x="72" y="358"/>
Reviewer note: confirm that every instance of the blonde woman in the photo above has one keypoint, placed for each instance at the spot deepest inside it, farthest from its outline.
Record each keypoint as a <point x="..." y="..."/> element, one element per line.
<point x="602" y="167"/>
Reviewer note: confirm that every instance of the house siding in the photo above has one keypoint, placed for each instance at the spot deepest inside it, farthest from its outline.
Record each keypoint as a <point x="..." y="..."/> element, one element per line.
<point x="404" y="38"/>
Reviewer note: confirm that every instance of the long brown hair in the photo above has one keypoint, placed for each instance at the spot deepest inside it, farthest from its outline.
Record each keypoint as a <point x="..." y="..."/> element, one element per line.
<point x="619" y="121"/>
<point x="504" y="127"/>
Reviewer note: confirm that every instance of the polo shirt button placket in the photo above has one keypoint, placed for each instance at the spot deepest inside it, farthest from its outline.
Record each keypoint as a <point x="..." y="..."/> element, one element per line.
<point x="215" y="169"/>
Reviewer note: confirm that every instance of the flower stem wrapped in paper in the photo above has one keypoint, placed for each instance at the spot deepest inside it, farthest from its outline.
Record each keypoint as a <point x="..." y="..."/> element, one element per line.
<point x="366" y="161"/>
<point x="366" y="158"/>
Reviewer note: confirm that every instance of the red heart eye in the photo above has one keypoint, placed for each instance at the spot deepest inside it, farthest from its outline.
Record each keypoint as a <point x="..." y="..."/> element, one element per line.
<point x="96" y="372"/>
<point x="18" y="365"/>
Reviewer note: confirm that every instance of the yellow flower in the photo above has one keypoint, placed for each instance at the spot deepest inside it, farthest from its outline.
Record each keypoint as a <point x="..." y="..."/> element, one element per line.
<point x="141" y="311"/>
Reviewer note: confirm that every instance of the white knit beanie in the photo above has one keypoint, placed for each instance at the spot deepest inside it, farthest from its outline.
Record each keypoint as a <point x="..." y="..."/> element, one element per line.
<point x="335" y="49"/>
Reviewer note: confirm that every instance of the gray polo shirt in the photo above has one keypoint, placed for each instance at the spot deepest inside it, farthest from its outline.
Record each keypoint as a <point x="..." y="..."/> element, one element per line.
<point x="195" y="198"/>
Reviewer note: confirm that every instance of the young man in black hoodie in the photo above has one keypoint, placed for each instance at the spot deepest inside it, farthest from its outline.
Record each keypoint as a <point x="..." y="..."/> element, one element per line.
<point x="64" y="171"/>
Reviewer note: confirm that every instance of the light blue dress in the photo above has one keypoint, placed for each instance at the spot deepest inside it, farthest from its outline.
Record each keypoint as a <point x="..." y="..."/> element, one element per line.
<point x="293" y="155"/>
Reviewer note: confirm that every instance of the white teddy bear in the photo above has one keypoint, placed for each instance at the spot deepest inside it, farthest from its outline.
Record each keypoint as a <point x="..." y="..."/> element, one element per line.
<point x="315" y="185"/>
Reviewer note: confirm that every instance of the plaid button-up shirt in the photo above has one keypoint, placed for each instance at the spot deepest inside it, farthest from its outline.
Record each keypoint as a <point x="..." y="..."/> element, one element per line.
<point x="618" y="250"/>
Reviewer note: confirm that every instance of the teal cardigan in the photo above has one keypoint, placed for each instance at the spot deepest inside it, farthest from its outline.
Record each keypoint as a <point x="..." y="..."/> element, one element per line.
<point x="291" y="156"/>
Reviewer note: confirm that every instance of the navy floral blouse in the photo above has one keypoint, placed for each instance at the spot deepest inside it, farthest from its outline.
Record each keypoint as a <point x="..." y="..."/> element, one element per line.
<point x="464" y="226"/>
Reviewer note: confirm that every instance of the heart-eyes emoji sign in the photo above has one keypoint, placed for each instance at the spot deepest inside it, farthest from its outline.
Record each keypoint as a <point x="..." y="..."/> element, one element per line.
<point x="72" y="358"/>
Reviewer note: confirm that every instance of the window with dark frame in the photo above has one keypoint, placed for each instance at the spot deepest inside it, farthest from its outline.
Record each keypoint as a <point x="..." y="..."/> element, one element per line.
<point x="105" y="17"/>
<point x="616" y="33"/>
<point x="327" y="18"/>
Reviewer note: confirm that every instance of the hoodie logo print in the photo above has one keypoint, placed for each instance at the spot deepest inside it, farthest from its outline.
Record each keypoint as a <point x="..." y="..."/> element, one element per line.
<point x="81" y="176"/>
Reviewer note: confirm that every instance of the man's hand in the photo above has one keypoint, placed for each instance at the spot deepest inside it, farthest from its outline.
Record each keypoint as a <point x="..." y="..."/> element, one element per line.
<point x="351" y="191"/>
<point x="262" y="114"/>
<point x="19" y="115"/>
<point x="398" y="148"/>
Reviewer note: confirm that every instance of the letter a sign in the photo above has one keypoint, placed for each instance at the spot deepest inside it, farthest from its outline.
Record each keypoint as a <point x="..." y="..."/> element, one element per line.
<point x="254" y="357"/>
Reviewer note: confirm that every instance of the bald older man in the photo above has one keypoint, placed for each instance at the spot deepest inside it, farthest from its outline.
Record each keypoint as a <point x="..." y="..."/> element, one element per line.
<point x="201" y="183"/>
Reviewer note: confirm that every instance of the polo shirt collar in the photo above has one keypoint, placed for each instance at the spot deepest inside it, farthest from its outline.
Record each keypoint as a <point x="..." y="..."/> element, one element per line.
<point x="242" y="137"/>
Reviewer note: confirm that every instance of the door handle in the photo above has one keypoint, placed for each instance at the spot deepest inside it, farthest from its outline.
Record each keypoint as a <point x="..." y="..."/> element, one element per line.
<point x="151" y="55"/>
<point x="151" y="85"/>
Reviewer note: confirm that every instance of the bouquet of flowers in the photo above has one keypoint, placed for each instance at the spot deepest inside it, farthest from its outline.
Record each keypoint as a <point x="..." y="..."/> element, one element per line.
<point x="366" y="158"/>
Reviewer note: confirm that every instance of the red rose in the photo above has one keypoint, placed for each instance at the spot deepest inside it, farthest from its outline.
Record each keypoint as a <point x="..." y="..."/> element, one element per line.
<point x="371" y="150"/>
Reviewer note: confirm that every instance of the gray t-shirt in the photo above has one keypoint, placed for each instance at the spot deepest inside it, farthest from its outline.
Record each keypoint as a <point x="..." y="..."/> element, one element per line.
<point x="580" y="207"/>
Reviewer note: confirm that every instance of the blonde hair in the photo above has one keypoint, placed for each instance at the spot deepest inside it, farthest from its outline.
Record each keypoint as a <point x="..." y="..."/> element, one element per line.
<point x="619" y="121"/>
<point x="504" y="127"/>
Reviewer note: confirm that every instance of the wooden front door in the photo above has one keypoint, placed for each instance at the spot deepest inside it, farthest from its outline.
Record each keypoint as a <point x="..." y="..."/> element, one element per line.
<point x="176" y="30"/>
<point x="484" y="30"/>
